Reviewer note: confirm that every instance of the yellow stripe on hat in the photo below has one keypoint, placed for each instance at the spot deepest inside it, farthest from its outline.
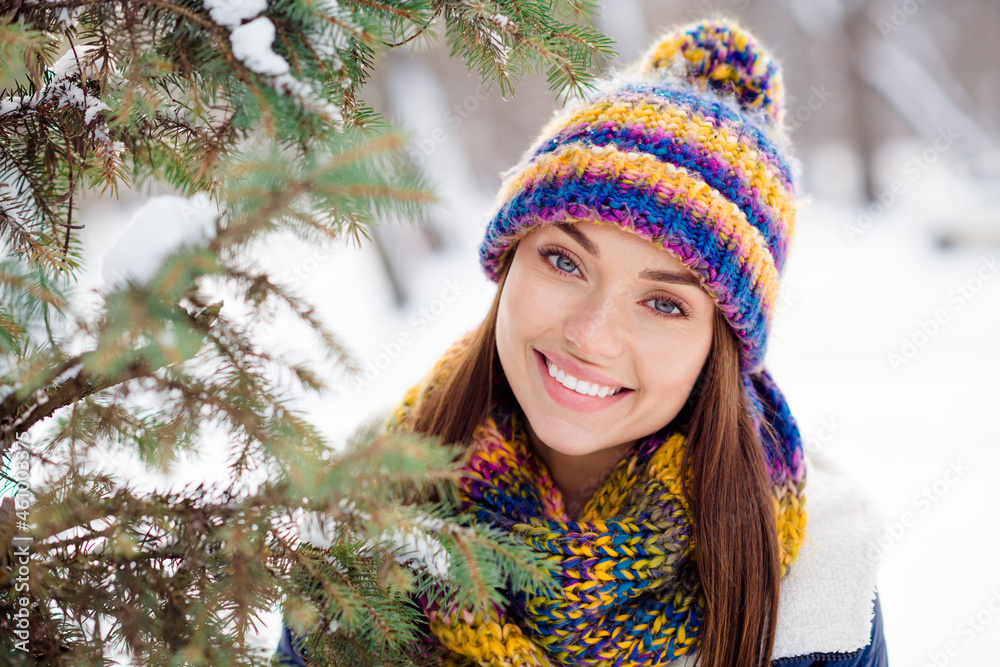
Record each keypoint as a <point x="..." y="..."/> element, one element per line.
<point x="688" y="129"/>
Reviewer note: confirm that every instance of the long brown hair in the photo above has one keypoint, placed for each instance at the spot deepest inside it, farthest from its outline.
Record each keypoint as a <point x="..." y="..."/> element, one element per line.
<point x="736" y="540"/>
<point x="735" y="535"/>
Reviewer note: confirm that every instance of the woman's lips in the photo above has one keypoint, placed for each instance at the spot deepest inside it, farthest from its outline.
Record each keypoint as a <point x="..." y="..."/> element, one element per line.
<point x="571" y="367"/>
<point x="571" y="399"/>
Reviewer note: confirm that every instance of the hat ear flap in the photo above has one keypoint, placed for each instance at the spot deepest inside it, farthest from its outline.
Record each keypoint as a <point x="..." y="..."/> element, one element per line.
<point x="720" y="55"/>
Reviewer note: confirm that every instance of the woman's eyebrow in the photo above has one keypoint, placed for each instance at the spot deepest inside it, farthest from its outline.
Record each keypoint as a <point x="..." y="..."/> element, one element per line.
<point x="647" y="274"/>
<point x="670" y="277"/>
<point x="580" y="238"/>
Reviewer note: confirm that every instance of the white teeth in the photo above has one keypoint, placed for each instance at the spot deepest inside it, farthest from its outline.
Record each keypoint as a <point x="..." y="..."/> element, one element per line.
<point x="579" y="386"/>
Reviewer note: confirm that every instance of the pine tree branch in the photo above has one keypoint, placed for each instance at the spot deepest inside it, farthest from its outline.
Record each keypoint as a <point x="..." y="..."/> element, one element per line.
<point x="20" y="413"/>
<point x="418" y="32"/>
<point x="392" y="10"/>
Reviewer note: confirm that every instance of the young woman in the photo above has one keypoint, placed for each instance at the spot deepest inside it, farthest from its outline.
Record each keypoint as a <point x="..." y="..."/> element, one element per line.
<point x="614" y="400"/>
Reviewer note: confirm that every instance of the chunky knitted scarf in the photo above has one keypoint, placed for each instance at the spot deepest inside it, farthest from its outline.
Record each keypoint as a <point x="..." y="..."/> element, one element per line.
<point x="630" y="593"/>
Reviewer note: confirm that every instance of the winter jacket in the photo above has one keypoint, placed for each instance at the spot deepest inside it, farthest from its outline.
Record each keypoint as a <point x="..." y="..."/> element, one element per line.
<point x="828" y="610"/>
<point x="872" y="655"/>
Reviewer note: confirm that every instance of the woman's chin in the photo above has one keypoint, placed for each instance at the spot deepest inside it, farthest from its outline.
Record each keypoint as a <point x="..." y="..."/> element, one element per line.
<point x="567" y="438"/>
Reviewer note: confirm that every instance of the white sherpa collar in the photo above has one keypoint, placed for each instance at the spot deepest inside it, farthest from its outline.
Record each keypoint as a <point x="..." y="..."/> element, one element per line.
<point x="827" y="598"/>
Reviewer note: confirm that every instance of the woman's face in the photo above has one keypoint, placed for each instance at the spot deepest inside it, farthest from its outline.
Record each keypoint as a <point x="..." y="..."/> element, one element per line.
<point x="592" y="308"/>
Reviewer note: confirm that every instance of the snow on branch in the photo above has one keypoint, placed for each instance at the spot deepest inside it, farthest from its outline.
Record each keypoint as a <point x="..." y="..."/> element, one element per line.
<point x="66" y="17"/>
<point x="67" y="90"/>
<point x="251" y="43"/>
<point x="412" y="546"/>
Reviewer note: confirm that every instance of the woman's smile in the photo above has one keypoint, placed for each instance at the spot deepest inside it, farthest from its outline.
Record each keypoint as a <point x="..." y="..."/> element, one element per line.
<point x="583" y="392"/>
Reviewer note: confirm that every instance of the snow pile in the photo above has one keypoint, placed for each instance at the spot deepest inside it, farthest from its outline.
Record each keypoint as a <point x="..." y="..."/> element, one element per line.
<point x="412" y="547"/>
<point x="252" y="46"/>
<point x="416" y="549"/>
<point x="72" y="67"/>
<point x="252" y="36"/>
<point x="65" y="90"/>
<point x="75" y="61"/>
<point x="231" y="13"/>
<point x="504" y="22"/>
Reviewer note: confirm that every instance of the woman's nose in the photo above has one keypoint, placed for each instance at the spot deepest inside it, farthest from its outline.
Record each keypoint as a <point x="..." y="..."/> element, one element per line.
<point x="594" y="328"/>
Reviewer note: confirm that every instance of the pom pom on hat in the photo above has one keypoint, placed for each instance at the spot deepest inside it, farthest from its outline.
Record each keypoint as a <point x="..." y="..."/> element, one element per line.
<point x="723" y="56"/>
<point x="684" y="149"/>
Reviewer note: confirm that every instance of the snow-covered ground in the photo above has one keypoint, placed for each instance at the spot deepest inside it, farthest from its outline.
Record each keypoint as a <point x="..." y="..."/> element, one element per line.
<point x="885" y="346"/>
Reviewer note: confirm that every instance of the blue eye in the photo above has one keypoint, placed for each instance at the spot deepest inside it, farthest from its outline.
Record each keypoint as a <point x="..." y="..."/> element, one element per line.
<point x="565" y="264"/>
<point x="666" y="307"/>
<point x="559" y="261"/>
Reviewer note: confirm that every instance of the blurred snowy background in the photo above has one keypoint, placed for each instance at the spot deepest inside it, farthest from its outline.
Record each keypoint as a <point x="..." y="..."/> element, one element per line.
<point x="887" y="344"/>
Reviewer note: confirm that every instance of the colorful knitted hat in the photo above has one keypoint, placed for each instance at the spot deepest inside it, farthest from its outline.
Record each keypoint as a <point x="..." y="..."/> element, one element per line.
<point x="686" y="149"/>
